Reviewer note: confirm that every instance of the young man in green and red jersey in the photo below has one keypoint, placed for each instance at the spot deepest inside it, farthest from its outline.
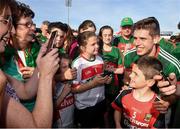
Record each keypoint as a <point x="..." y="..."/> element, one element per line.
<point x="147" y="42"/>
<point x="125" y="39"/>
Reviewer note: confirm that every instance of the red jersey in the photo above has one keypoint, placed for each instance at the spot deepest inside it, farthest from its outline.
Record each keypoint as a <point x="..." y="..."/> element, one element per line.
<point x="137" y="114"/>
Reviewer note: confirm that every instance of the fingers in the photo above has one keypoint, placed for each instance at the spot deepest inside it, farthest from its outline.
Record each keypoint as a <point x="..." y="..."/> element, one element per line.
<point x="157" y="77"/>
<point x="168" y="90"/>
<point x="54" y="51"/>
<point x="163" y="83"/>
<point x="161" y="106"/>
<point x="42" y="50"/>
<point x="172" y="78"/>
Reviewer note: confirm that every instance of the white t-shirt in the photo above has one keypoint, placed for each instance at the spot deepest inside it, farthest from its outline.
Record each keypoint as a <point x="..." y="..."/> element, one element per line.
<point x="86" y="71"/>
<point x="65" y="113"/>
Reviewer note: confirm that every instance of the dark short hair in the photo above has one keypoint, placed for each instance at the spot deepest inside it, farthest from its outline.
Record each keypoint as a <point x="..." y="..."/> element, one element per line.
<point x="150" y="66"/>
<point x="58" y="25"/>
<point x="150" y="23"/>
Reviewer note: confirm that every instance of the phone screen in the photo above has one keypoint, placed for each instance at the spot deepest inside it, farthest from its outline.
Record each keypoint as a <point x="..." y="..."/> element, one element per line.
<point x="51" y="42"/>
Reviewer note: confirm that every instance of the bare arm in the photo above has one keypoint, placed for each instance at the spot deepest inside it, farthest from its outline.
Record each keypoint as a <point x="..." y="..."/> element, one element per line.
<point x="29" y="89"/>
<point x="15" y="115"/>
<point x="25" y="90"/>
<point x="117" y="118"/>
<point x="3" y="81"/>
<point x="98" y="80"/>
<point x="66" y="90"/>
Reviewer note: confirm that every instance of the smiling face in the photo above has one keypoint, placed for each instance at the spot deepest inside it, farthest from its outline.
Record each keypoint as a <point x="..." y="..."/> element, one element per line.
<point x="25" y="30"/>
<point x="5" y="27"/>
<point x="126" y="31"/>
<point x="107" y="36"/>
<point x="143" y="41"/>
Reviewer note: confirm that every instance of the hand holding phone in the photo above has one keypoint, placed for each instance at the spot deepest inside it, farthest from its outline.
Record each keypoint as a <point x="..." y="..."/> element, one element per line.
<point x="107" y="73"/>
<point x="51" y="42"/>
<point x="164" y="76"/>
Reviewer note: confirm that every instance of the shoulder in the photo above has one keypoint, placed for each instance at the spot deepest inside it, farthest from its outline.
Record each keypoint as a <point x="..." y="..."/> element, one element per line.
<point x="166" y="45"/>
<point x="77" y="60"/>
<point x="123" y="93"/>
<point x="98" y="57"/>
<point x="131" y="51"/>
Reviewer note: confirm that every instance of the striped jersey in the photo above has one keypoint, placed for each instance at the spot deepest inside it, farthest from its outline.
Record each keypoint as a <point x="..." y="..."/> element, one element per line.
<point x="86" y="71"/>
<point x="169" y="62"/>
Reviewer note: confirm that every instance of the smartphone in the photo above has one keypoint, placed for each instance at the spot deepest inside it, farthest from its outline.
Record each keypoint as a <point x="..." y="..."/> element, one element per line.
<point x="158" y="98"/>
<point x="164" y="76"/>
<point x="51" y="42"/>
<point x="107" y="73"/>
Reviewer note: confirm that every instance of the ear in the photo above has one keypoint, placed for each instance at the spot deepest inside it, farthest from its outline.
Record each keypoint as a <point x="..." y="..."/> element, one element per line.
<point x="82" y="48"/>
<point x="156" y="39"/>
<point x="150" y="82"/>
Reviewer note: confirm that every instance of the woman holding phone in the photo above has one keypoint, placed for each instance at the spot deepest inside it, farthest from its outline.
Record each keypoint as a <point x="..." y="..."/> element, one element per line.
<point x="13" y="114"/>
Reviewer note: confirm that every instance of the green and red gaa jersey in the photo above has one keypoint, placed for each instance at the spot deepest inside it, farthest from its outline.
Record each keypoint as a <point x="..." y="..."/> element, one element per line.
<point x="176" y="51"/>
<point x="173" y="49"/>
<point x="14" y="62"/>
<point x="137" y="114"/>
<point x="112" y="60"/>
<point x="123" y="44"/>
<point x="169" y="62"/>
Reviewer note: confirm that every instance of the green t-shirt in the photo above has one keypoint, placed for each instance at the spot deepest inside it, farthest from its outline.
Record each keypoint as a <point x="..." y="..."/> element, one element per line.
<point x="169" y="62"/>
<point x="62" y="51"/>
<point x="10" y="66"/>
<point x="123" y="44"/>
<point x="176" y="51"/>
<point x="112" y="60"/>
<point x="41" y="38"/>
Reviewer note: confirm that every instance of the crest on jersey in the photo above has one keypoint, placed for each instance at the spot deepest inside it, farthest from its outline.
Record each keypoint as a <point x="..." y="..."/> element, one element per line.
<point x="147" y="117"/>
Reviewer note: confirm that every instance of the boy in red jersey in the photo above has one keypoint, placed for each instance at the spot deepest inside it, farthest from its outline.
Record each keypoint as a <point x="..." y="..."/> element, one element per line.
<point x="134" y="107"/>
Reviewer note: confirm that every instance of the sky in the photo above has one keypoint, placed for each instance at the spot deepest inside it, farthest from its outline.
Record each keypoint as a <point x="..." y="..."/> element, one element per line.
<point x="107" y="12"/>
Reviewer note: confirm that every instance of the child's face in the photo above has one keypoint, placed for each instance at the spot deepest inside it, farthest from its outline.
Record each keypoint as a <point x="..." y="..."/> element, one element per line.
<point x="107" y="36"/>
<point x="137" y="77"/>
<point x="64" y="64"/>
<point x="59" y="37"/>
<point x="91" y="47"/>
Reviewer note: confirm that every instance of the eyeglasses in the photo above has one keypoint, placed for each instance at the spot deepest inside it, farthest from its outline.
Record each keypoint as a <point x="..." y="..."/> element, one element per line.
<point x="6" y="20"/>
<point x="28" y="24"/>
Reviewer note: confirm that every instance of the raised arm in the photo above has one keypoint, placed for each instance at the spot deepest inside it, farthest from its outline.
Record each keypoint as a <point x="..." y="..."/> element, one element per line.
<point x="29" y="89"/>
<point x="15" y="115"/>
